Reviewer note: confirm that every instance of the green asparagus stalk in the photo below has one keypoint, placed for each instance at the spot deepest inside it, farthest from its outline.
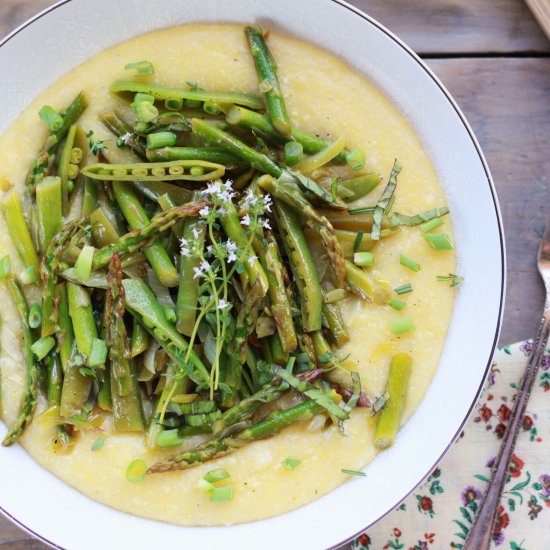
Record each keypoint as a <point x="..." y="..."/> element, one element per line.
<point x="136" y="217"/>
<point x="391" y="415"/>
<point x="365" y="285"/>
<point x="125" y="391"/>
<point x="82" y="317"/>
<point x="18" y="229"/>
<point x="302" y="266"/>
<point x="273" y="424"/>
<point x="269" y="83"/>
<point x="336" y="326"/>
<point x="28" y="406"/>
<point x="48" y="208"/>
<point x="65" y="334"/>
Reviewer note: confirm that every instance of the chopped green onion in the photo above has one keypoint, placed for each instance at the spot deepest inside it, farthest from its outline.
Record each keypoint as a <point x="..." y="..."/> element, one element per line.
<point x="5" y="267"/>
<point x="216" y="475"/>
<point x="98" y="353"/>
<point x="356" y="159"/>
<point x="221" y="494"/>
<point x="431" y="225"/>
<point x="401" y="325"/>
<point x="169" y="438"/>
<point x="51" y="118"/>
<point x="28" y="276"/>
<point x="204" y="486"/>
<point x="161" y="139"/>
<point x="439" y="241"/>
<point x="410" y="264"/>
<point x="83" y="265"/>
<point x="354" y="473"/>
<point x="397" y="304"/>
<point x="454" y="279"/>
<point x="294" y="152"/>
<point x="43" y="346"/>
<point x="380" y="403"/>
<point x="142" y="68"/>
<point x="357" y="242"/>
<point x="136" y="470"/>
<point x="291" y="463"/>
<point x="363" y="259"/>
<point x="196" y="170"/>
<point x="335" y="295"/>
<point x="145" y="112"/>
<point x="35" y="316"/>
<point x="97" y="445"/>
<point x="211" y="108"/>
<point x="403" y="289"/>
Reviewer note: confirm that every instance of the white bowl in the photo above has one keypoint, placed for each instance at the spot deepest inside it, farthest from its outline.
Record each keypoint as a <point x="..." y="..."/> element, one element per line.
<point x="65" y="35"/>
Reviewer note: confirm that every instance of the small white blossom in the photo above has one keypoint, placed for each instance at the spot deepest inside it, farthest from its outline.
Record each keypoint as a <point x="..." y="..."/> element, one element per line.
<point x="222" y="304"/>
<point x="245" y="220"/>
<point x="184" y="247"/>
<point x="204" y="211"/>
<point x="268" y="202"/>
<point x="197" y="271"/>
<point x="205" y="266"/>
<point x="252" y="259"/>
<point x="231" y="248"/>
<point x="196" y="233"/>
<point x="265" y="224"/>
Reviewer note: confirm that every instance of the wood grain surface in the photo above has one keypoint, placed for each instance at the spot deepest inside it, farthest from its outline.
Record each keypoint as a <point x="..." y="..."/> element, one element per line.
<point x="495" y="60"/>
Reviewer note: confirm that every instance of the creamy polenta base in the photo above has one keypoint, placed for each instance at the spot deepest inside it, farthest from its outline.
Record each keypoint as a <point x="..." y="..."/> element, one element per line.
<point x="324" y="96"/>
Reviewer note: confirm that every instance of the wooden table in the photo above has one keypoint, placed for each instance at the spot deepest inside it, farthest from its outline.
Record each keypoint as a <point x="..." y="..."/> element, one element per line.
<point x="495" y="61"/>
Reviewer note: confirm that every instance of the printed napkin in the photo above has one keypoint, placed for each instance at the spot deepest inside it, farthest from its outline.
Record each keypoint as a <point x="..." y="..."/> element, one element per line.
<point x="440" y="512"/>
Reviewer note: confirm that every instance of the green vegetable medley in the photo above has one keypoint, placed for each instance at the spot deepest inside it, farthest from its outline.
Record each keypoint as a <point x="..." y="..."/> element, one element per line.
<point x="190" y="270"/>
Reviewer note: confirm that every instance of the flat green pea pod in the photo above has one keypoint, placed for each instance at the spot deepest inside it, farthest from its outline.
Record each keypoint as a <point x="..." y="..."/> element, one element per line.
<point x="302" y="266"/>
<point x="73" y="157"/>
<point x="127" y="89"/>
<point x="154" y="171"/>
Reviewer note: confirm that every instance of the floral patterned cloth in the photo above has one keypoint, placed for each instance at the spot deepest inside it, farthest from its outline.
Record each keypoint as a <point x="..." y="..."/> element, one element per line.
<point x="439" y="513"/>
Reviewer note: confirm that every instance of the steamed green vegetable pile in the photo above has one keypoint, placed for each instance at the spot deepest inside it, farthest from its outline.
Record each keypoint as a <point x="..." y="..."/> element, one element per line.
<point x="190" y="268"/>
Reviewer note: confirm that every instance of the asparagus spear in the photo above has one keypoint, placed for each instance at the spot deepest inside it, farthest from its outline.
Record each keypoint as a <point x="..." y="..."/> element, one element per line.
<point x="31" y="365"/>
<point x="391" y="415"/>
<point x="125" y="392"/>
<point x="217" y="448"/>
<point x="363" y="283"/>
<point x="269" y="83"/>
<point x="137" y="219"/>
<point x="19" y="232"/>
<point x="48" y="208"/>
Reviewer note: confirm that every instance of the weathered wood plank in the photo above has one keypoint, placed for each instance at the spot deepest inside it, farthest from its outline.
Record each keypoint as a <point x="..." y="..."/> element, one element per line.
<point x="507" y="102"/>
<point x="428" y="26"/>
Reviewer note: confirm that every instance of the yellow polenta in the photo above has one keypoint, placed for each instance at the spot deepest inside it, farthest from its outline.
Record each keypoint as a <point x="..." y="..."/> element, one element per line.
<point x="324" y="96"/>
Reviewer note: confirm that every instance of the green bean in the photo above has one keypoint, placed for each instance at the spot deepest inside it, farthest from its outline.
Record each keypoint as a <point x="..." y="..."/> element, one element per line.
<point x="28" y="406"/>
<point x="137" y="219"/>
<point x="125" y="391"/>
<point x="269" y="83"/>
<point x="49" y="209"/>
<point x="18" y="229"/>
<point x="216" y="155"/>
<point x="302" y="266"/>
<point x="158" y="171"/>
<point x="391" y="415"/>
<point x="219" y="138"/>
<point x="127" y="89"/>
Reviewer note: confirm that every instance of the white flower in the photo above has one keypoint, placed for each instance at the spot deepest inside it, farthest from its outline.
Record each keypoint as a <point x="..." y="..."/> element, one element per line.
<point x="126" y="138"/>
<point x="204" y="213"/>
<point x="268" y="202"/>
<point x="184" y="247"/>
<point x="197" y="271"/>
<point x="222" y="304"/>
<point x="265" y="224"/>
<point x="209" y="249"/>
<point x="196" y="233"/>
<point x="205" y="266"/>
<point x="252" y="259"/>
<point x="245" y="220"/>
<point x="231" y="248"/>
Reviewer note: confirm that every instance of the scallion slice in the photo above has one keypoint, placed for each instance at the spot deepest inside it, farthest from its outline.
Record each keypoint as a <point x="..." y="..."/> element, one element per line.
<point x="136" y="471"/>
<point x="356" y="473"/>
<point x="35" y="316"/>
<point x="363" y="259"/>
<point x="439" y="241"/>
<point x="294" y="152"/>
<point x="205" y="486"/>
<point x="403" y="289"/>
<point x="51" y="118"/>
<point x="221" y="494"/>
<point x="408" y="263"/>
<point x="83" y="265"/>
<point x="43" y="346"/>
<point x="216" y="475"/>
<point x="142" y="68"/>
<point x="161" y="139"/>
<point x="169" y="438"/>
<point x="291" y="463"/>
<point x="397" y="304"/>
<point x="402" y="325"/>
